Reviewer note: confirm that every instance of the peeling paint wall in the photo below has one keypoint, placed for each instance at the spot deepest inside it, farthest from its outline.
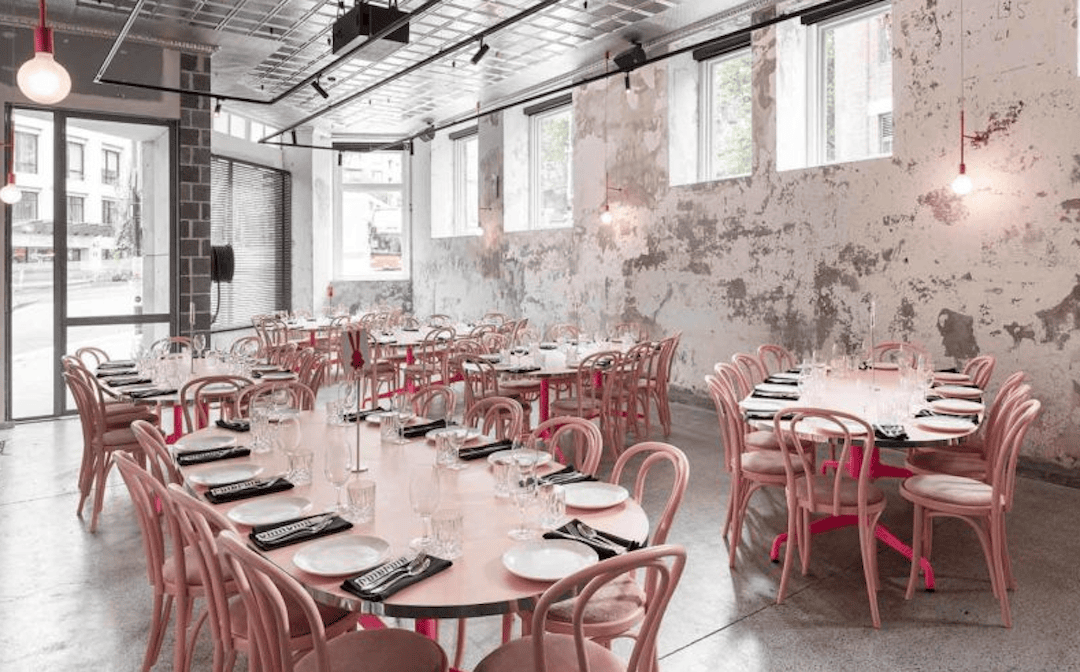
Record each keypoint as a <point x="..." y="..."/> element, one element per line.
<point x="796" y="257"/>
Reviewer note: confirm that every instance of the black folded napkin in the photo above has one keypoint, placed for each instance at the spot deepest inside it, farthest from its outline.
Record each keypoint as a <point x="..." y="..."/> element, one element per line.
<point x="260" y="374"/>
<point x="476" y="452"/>
<point x="153" y="392"/>
<point x="235" y="425"/>
<point x="951" y="369"/>
<point x="245" y="489"/>
<point x="565" y="476"/>
<point x="362" y="415"/>
<point x="760" y="415"/>
<point x="117" y="364"/>
<point x="781" y="381"/>
<point x="356" y="584"/>
<point x="572" y="532"/>
<point x="548" y="346"/>
<point x="890" y="433"/>
<point x="279" y="535"/>
<point x="410" y="328"/>
<point x="117" y="372"/>
<point x="794" y="394"/>
<point x="415" y="431"/>
<point x="212" y="455"/>
<point x="523" y="369"/>
<point x="121" y="381"/>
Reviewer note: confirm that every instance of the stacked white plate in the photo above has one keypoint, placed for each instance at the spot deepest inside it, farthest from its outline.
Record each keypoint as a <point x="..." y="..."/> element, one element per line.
<point x="958" y="391"/>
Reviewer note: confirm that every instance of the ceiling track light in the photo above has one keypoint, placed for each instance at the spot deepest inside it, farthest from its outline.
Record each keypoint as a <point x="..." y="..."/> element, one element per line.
<point x="217" y="108"/>
<point x="480" y="52"/>
<point x="319" y="88"/>
<point x="42" y="79"/>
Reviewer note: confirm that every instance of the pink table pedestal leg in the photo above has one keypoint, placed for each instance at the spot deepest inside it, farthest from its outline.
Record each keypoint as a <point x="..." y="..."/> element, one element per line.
<point x="545" y="393"/>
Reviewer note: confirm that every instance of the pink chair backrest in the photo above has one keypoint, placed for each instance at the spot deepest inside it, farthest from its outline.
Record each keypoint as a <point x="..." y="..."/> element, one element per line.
<point x="734" y="378"/>
<point x="750" y="368"/>
<point x="502" y="415"/>
<point x="1002" y="472"/>
<point x="194" y="395"/>
<point x="895" y="351"/>
<point x="656" y="453"/>
<point x="584" y="437"/>
<point x="432" y="399"/>
<point x="152" y="441"/>
<point x="775" y="358"/>
<point x="787" y="424"/>
<point x="663" y="566"/>
<point x="480" y="378"/>
<point x="980" y="369"/>
<point x="732" y="427"/>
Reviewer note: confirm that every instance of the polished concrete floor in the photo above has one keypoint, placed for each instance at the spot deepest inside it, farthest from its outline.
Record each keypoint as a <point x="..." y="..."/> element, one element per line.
<point x="71" y="600"/>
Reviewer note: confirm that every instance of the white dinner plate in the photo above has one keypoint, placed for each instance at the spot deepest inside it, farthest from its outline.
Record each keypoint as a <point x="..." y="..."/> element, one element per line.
<point x="265" y="368"/>
<point x="225" y="473"/>
<point x="886" y="366"/>
<point x="828" y="427"/>
<point x="784" y="375"/>
<point x="548" y="559"/>
<point x="957" y="406"/>
<point x="958" y="391"/>
<point x="594" y="495"/>
<point x="341" y="555"/>
<point x="775" y="388"/>
<point x="190" y="443"/>
<point x="539" y="457"/>
<point x="763" y="405"/>
<point x="471" y="434"/>
<point x="218" y="388"/>
<point x="278" y="375"/>
<point x="945" y="424"/>
<point x="950" y="377"/>
<point x="269" y="510"/>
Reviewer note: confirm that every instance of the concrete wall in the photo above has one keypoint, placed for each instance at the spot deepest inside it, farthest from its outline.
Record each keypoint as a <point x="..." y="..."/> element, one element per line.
<point x="795" y="257"/>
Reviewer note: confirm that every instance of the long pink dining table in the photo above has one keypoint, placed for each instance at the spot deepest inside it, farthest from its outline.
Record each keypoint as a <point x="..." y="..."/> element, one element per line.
<point x="477" y="584"/>
<point x="862" y="393"/>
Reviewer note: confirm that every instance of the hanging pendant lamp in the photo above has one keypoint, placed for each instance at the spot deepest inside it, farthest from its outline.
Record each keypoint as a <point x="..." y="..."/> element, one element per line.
<point x="962" y="184"/>
<point x="10" y="193"/>
<point x="42" y="79"/>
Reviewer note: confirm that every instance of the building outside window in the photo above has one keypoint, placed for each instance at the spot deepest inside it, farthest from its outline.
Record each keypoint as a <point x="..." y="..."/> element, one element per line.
<point x="110" y="211"/>
<point x="466" y="184"/>
<point x="726" y="115"/>
<point x="110" y="166"/>
<point x="26" y="152"/>
<point x="76" y="161"/>
<point x="551" y="193"/>
<point x="26" y="210"/>
<point x="76" y="209"/>
<point x="372" y="227"/>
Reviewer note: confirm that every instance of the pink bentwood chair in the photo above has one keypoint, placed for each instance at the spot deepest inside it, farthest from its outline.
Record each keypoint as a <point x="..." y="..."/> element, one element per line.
<point x="838" y="494"/>
<point x="982" y="504"/>
<point x="755" y="439"/>
<point x="749" y="368"/>
<point x="980" y="369"/>
<point x="199" y="393"/>
<point x="199" y="524"/>
<point x="550" y="652"/>
<point x="775" y="358"/>
<point x="583" y="436"/>
<point x="498" y="416"/>
<point x="265" y="590"/>
<point x="158" y="459"/>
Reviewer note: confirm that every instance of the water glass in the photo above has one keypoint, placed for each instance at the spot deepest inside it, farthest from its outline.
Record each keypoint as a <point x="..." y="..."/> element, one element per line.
<point x="523" y="491"/>
<point x="553" y="505"/>
<point x="300" y="463"/>
<point x="335" y="413"/>
<point x="501" y="469"/>
<point x="424" y="499"/>
<point x="337" y="464"/>
<point x="388" y="429"/>
<point x="448" y="533"/>
<point x="361" y="501"/>
<point x="448" y="447"/>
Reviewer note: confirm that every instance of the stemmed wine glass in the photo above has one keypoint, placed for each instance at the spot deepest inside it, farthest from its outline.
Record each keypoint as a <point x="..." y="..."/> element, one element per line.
<point x="403" y="408"/>
<point x="198" y="344"/>
<point x="523" y="489"/>
<point x="337" y="463"/>
<point x="424" y="498"/>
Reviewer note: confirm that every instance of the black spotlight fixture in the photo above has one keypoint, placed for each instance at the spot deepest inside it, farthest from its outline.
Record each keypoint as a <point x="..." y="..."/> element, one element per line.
<point x="217" y="108"/>
<point x="631" y="58"/>
<point x="480" y="52"/>
<point x="319" y="89"/>
<point x="428" y="134"/>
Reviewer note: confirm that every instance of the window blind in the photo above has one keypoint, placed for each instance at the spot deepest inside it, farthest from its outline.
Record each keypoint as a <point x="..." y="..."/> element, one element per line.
<point x="250" y="210"/>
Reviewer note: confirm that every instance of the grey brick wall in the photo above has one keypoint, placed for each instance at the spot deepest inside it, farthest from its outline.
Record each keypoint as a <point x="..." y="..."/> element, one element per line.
<point x="194" y="182"/>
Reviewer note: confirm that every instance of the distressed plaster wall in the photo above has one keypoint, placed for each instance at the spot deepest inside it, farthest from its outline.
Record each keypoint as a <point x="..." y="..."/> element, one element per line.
<point x="796" y="257"/>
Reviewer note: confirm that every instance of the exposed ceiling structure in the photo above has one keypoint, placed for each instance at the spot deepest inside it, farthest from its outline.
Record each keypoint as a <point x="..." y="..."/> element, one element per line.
<point x="271" y="50"/>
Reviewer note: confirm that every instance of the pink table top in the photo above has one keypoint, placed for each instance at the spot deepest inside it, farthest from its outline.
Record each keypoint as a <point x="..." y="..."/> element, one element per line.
<point x="477" y="584"/>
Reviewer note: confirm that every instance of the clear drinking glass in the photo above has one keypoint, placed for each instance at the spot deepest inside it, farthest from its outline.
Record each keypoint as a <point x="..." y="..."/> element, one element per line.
<point x="523" y="491"/>
<point x="337" y="463"/>
<point x="424" y="499"/>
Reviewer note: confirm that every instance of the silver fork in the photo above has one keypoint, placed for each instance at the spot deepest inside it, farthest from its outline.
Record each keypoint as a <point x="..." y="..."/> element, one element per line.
<point x="415" y="567"/>
<point x="312" y="526"/>
<point x="595" y="537"/>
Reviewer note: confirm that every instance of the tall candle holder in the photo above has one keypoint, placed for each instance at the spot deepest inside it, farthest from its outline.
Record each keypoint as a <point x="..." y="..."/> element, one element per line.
<point x="355" y="344"/>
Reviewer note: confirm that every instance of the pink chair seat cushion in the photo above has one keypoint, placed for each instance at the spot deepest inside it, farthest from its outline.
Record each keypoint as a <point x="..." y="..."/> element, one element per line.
<point x="770" y="463"/>
<point x="298" y="624"/>
<point x="950" y="489"/>
<point x="615" y="601"/>
<point x="389" y="650"/>
<point x="120" y="438"/>
<point x="762" y="439"/>
<point x="560" y="656"/>
<point x="191" y="569"/>
<point x="849" y="492"/>
<point x="571" y="406"/>
<point x="943" y="462"/>
<point x="520" y="385"/>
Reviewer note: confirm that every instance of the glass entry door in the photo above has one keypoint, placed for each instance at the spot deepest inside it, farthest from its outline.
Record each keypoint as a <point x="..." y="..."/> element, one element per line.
<point x="90" y="246"/>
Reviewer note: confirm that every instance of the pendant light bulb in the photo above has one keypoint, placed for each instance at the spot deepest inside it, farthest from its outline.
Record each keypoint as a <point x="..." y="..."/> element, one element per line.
<point x="962" y="185"/>
<point x="10" y="194"/>
<point x="605" y="216"/>
<point x="42" y="79"/>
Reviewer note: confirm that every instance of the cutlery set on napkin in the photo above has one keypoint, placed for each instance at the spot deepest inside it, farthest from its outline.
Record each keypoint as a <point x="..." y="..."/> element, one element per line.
<point x="212" y="455"/>
<point x="362" y="415"/>
<point x="278" y="535"/>
<point x="245" y="489"/>
<point x="151" y="392"/>
<point x="238" y="425"/>
<point x="605" y="544"/>
<point x="383" y="581"/>
<point x="477" y="452"/>
<point x="416" y="431"/>
<point x="565" y="476"/>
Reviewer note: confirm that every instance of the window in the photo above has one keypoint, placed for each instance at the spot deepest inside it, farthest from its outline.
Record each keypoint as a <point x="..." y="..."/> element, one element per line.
<point x="110" y="166"/>
<point x="371" y="225"/>
<point x="238" y="126"/>
<point x="551" y="164"/>
<point x="726" y="133"/>
<point x="110" y="211"/>
<point x="221" y="122"/>
<point x="834" y="86"/>
<point x="250" y="210"/>
<point x="76" y="209"/>
<point x="26" y="153"/>
<point x="466" y="185"/>
<point x="76" y="163"/>
<point x="26" y="210"/>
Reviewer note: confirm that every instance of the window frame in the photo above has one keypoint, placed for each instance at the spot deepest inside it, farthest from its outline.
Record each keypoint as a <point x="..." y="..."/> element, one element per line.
<point x="78" y="175"/>
<point x="28" y="196"/>
<point x="110" y="178"/>
<point x="105" y="203"/>
<point x="341" y="188"/>
<point x="817" y="85"/>
<point x="706" y="100"/>
<point x="22" y="138"/>
<point x="541" y="113"/>
<point x="81" y="200"/>
<point x="461" y="169"/>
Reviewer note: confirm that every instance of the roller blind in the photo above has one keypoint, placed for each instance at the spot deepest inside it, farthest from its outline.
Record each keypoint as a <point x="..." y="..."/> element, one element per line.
<point x="251" y="207"/>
